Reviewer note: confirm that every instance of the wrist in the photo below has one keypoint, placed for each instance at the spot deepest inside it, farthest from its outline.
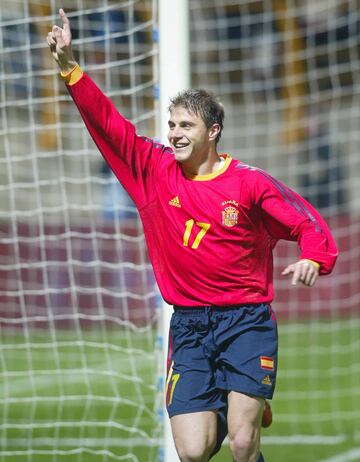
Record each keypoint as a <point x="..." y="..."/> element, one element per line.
<point x="315" y="263"/>
<point x="68" y="67"/>
<point x="72" y="76"/>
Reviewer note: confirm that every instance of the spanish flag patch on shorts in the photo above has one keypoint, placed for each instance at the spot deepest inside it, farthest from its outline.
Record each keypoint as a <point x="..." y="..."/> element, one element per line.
<point x="267" y="363"/>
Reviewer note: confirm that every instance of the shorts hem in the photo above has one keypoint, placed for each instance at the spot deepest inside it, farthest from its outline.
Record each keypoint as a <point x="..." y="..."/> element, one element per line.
<point x="256" y="394"/>
<point x="191" y="411"/>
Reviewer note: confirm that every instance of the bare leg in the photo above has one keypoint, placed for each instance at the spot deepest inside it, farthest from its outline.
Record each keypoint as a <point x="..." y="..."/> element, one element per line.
<point x="194" y="435"/>
<point x="244" y="423"/>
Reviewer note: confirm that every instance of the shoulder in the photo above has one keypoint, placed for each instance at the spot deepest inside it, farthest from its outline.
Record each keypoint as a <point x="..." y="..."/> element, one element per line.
<point x="259" y="183"/>
<point x="249" y="169"/>
<point x="251" y="174"/>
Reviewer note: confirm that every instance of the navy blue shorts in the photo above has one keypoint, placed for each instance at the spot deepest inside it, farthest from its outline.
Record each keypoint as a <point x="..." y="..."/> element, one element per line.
<point x="214" y="350"/>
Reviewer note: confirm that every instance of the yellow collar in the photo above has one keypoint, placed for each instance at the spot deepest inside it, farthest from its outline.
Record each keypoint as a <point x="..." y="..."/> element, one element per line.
<point x="210" y="176"/>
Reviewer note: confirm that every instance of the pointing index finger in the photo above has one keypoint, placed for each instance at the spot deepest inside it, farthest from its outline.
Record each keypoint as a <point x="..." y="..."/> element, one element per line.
<point x="65" y="19"/>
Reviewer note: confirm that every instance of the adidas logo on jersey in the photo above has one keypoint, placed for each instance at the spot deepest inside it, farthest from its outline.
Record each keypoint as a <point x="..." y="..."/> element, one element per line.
<point x="175" y="202"/>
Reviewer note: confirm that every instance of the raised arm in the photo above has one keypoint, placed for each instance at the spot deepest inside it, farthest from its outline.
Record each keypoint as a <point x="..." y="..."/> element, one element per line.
<point x="133" y="159"/>
<point x="59" y="40"/>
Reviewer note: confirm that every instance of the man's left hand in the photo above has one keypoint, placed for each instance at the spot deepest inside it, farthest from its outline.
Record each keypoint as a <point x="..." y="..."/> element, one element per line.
<point x="305" y="271"/>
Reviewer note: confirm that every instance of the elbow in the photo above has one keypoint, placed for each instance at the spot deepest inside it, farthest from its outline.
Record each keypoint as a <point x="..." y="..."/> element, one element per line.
<point x="328" y="266"/>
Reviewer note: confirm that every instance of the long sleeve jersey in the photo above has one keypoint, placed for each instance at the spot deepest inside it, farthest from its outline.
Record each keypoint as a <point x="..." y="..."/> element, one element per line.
<point x="210" y="237"/>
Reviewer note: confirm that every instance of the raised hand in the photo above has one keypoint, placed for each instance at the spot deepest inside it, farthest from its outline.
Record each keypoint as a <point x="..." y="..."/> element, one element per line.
<point x="304" y="270"/>
<point x="59" y="41"/>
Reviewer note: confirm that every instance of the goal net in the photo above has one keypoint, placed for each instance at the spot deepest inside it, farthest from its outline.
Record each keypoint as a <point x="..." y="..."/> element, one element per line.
<point x="78" y="301"/>
<point x="79" y="344"/>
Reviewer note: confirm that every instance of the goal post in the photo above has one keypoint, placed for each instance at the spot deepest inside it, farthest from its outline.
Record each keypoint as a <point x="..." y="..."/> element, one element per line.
<point x="174" y="76"/>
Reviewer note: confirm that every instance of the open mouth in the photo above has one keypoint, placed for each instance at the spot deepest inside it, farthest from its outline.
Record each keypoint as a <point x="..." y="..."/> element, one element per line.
<point x="180" y="146"/>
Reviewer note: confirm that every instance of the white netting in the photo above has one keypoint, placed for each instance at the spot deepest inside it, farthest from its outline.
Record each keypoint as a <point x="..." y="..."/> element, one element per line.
<point x="78" y="301"/>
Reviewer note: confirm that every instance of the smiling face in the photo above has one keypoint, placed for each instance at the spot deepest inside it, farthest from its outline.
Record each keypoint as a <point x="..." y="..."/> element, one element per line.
<point x="190" y="139"/>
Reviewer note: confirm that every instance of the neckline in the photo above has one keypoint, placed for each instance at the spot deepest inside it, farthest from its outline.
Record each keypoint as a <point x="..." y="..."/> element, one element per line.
<point x="210" y="176"/>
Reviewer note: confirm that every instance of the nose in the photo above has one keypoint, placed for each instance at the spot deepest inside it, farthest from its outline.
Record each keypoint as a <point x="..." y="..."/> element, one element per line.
<point x="175" y="133"/>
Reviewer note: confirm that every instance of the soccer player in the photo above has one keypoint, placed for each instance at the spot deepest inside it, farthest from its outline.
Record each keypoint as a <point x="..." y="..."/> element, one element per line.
<point x="211" y="223"/>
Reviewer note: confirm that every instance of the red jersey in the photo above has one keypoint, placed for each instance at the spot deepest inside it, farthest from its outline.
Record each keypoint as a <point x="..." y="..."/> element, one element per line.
<point x="210" y="237"/>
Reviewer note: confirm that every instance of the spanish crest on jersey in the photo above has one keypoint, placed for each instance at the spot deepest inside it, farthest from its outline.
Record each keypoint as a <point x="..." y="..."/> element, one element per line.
<point x="230" y="213"/>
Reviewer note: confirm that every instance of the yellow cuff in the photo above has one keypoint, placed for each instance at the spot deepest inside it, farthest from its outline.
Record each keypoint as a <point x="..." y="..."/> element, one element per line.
<point x="315" y="263"/>
<point x="73" y="76"/>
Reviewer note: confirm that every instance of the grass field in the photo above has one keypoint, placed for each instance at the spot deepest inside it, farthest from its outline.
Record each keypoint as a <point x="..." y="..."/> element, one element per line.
<point x="91" y="396"/>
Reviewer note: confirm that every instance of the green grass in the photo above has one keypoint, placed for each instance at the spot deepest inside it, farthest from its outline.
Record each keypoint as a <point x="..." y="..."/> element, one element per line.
<point x="92" y="397"/>
<point x="77" y="390"/>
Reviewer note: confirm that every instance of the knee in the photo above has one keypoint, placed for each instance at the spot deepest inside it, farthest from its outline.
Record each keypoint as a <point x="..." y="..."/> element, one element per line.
<point x="192" y="452"/>
<point x="245" y="441"/>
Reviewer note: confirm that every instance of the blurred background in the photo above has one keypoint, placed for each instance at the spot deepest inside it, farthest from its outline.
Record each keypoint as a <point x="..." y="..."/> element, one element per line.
<point x="79" y="309"/>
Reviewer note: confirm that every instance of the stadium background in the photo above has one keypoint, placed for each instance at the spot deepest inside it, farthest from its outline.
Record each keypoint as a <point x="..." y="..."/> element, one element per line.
<point x="79" y="309"/>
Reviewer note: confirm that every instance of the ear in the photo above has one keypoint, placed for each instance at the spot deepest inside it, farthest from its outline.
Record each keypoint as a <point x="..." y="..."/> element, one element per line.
<point x="214" y="131"/>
